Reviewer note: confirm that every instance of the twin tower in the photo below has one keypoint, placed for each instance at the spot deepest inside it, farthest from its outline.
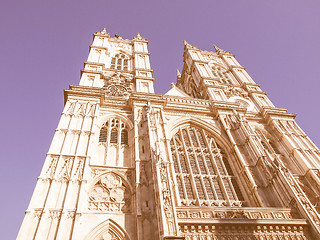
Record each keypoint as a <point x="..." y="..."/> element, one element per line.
<point x="212" y="159"/>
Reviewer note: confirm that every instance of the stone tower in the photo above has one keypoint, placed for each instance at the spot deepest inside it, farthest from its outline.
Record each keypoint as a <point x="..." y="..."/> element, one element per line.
<point x="212" y="158"/>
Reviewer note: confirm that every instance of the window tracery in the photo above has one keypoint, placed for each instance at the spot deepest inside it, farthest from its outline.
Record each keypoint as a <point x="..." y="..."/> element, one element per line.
<point x="204" y="176"/>
<point x="112" y="131"/>
<point x="120" y="62"/>
<point x="221" y="74"/>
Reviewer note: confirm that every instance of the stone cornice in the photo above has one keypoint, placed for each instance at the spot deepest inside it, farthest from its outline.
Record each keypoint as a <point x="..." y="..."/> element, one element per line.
<point x="238" y="67"/>
<point x="271" y="113"/>
<point x="142" y="53"/>
<point x="98" y="47"/>
<point x="144" y="78"/>
<point x="93" y="63"/>
<point x="143" y="69"/>
<point x="175" y="103"/>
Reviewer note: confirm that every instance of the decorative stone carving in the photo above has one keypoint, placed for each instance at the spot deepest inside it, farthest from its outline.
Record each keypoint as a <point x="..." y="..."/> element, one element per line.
<point x="238" y="213"/>
<point x="65" y="170"/>
<point x="166" y="195"/>
<point x="116" y="90"/>
<point x="118" y="85"/>
<point x="54" y="214"/>
<point x="52" y="167"/>
<point x="109" y="194"/>
<point x="70" y="214"/>
<point x="214" y="58"/>
<point x="234" y="91"/>
<point x="78" y="172"/>
<point x="243" y="232"/>
<point x="37" y="213"/>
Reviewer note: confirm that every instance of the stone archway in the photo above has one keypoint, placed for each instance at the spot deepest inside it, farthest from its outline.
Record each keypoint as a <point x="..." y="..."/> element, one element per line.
<point x="107" y="230"/>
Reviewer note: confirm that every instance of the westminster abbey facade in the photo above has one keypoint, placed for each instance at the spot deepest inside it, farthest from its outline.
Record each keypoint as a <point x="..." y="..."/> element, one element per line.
<point x="212" y="159"/>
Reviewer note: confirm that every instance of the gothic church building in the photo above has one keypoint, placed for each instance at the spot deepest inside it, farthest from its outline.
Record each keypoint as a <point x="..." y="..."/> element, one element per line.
<point x="212" y="159"/>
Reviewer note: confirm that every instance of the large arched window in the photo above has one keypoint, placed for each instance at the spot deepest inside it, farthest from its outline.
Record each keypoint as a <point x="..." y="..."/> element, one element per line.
<point x="203" y="173"/>
<point x="120" y="62"/>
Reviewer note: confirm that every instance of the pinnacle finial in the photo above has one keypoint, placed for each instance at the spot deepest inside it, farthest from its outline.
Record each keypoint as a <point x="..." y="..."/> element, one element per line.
<point x="219" y="50"/>
<point x="173" y="85"/>
<point x="104" y="32"/>
<point x="178" y="73"/>
<point x="118" y="36"/>
<point x="188" y="45"/>
<point x="138" y="37"/>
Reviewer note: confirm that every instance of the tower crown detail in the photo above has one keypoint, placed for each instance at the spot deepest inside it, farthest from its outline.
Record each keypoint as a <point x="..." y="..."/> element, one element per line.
<point x="109" y="55"/>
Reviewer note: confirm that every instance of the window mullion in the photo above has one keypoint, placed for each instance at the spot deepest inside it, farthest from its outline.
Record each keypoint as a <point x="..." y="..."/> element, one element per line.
<point x="195" y="195"/>
<point x="219" y="178"/>
<point x="235" y="197"/>
<point x="108" y="140"/>
<point x="179" y="198"/>
<point x="213" y="188"/>
<point x="118" y="142"/>
<point x="204" y="188"/>
<point x="178" y="175"/>
<point x="201" y="155"/>
<point x="121" y="63"/>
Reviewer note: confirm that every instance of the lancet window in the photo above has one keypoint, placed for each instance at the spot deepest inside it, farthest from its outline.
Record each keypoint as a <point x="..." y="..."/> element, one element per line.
<point x="221" y="74"/>
<point x="202" y="171"/>
<point x="120" y="62"/>
<point x="114" y="131"/>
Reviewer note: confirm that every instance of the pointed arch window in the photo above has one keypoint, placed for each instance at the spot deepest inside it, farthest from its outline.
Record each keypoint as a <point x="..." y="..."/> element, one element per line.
<point x="124" y="137"/>
<point x="114" y="136"/>
<point x="204" y="176"/>
<point x="103" y="133"/>
<point x="120" y="62"/>
<point x="112" y="130"/>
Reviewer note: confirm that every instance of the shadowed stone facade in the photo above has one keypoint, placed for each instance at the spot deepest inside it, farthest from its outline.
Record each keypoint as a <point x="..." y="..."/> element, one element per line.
<point x="212" y="158"/>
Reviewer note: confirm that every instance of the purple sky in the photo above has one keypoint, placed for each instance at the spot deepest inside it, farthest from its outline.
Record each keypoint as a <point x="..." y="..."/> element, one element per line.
<point x="44" y="44"/>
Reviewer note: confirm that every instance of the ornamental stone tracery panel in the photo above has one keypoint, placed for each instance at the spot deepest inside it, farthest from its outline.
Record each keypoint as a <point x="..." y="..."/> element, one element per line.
<point x="109" y="194"/>
<point x="202" y="171"/>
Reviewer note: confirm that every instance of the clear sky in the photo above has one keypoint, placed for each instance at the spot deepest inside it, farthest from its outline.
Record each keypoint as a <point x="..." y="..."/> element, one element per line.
<point x="43" y="45"/>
